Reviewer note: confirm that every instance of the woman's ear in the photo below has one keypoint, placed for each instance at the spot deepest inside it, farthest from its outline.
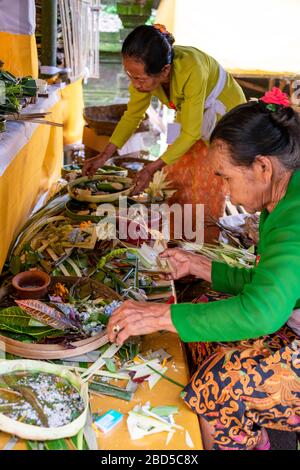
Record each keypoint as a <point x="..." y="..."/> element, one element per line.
<point x="263" y="168"/>
<point x="165" y="72"/>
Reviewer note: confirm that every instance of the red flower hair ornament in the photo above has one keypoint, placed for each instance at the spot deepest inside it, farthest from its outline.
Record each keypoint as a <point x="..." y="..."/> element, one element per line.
<point x="161" y="28"/>
<point x="275" y="98"/>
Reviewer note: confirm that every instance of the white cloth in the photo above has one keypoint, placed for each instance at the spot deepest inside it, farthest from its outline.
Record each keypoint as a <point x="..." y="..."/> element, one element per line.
<point x="17" y="16"/>
<point x="19" y="133"/>
<point x="213" y="106"/>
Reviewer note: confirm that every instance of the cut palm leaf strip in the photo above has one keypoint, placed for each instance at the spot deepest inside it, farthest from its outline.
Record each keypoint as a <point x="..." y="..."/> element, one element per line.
<point x="166" y="377"/>
<point x="110" y="390"/>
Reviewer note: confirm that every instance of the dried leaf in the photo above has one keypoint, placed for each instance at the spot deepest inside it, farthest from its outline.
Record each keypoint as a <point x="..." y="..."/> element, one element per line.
<point x="45" y="314"/>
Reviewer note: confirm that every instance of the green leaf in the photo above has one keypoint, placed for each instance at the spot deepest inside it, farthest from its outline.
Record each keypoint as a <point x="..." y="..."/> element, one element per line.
<point x="15" y="264"/>
<point x="35" y="445"/>
<point x="78" y="440"/>
<point x="32" y="258"/>
<point x="164" y="410"/>
<point x="14" y="316"/>
<point x="271" y="107"/>
<point x="36" y="332"/>
<point x="110" y="364"/>
<point x="15" y="320"/>
<point x="57" y="444"/>
<point x="17" y="336"/>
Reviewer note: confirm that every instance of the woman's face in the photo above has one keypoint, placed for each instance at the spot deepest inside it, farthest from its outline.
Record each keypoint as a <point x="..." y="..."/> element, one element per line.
<point x="138" y="77"/>
<point x="249" y="187"/>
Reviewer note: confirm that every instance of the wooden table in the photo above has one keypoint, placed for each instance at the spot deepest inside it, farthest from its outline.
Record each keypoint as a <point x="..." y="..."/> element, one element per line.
<point x="164" y="393"/>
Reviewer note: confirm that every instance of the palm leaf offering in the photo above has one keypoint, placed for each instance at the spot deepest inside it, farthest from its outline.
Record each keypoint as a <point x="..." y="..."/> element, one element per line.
<point x="74" y="170"/>
<point x="100" y="188"/>
<point x="41" y="401"/>
<point x="236" y="257"/>
<point x="46" y="314"/>
<point x="159" y="188"/>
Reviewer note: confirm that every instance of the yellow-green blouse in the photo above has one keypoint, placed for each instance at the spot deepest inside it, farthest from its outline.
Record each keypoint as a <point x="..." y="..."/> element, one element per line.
<point x="194" y="74"/>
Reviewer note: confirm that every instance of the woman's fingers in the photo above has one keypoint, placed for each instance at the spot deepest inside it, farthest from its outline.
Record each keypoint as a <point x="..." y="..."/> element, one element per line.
<point x="135" y="318"/>
<point x="146" y="326"/>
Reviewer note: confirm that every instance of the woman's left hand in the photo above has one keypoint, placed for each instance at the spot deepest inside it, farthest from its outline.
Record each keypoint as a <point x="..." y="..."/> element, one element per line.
<point x="145" y="176"/>
<point x="138" y="318"/>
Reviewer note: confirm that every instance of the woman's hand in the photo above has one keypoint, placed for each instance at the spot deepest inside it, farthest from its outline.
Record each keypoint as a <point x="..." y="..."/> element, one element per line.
<point x="138" y="318"/>
<point x="145" y="176"/>
<point x="184" y="263"/>
<point x="91" y="165"/>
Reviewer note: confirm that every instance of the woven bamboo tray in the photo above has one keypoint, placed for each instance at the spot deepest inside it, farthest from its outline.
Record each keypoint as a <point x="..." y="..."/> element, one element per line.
<point x="104" y="119"/>
<point x="59" y="351"/>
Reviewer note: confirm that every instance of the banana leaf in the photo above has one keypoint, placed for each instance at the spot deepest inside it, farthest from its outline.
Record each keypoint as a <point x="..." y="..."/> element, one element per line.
<point x="46" y="314"/>
<point x="17" y="336"/>
<point x="35" y="445"/>
<point x="57" y="444"/>
<point x="28" y="85"/>
<point x="36" y="332"/>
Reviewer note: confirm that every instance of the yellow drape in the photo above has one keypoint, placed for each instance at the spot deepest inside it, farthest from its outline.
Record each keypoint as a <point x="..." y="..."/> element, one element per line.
<point x="72" y="98"/>
<point x="19" y="54"/>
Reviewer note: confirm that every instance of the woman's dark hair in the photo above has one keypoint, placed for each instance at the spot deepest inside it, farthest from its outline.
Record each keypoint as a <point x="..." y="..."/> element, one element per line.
<point x="151" y="46"/>
<point x="252" y="129"/>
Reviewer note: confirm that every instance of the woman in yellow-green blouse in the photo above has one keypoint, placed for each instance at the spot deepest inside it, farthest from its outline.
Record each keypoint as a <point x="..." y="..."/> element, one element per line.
<point x="188" y="81"/>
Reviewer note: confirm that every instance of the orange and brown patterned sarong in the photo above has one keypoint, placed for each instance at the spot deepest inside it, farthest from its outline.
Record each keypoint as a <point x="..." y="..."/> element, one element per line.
<point x="244" y="386"/>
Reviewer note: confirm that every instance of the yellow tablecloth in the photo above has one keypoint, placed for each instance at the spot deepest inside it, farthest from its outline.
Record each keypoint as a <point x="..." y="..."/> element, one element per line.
<point x="27" y="174"/>
<point x="164" y="393"/>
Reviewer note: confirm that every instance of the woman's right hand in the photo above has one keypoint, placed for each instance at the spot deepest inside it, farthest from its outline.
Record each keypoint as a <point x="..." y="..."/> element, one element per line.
<point x="183" y="263"/>
<point x="91" y="165"/>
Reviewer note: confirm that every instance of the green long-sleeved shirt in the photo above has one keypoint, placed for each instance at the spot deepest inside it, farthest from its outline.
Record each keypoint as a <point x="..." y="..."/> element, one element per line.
<point x="194" y="74"/>
<point x="265" y="295"/>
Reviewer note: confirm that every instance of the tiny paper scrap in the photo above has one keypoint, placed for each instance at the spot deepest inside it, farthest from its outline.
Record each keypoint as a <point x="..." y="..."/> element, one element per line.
<point x="169" y="437"/>
<point x="160" y="354"/>
<point x="188" y="440"/>
<point x="154" y="377"/>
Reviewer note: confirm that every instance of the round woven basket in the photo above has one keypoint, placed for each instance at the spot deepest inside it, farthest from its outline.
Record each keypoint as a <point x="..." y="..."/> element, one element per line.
<point x="109" y="197"/>
<point x="104" y="119"/>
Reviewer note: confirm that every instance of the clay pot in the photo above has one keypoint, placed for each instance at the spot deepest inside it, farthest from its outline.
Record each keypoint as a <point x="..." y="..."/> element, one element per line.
<point x="31" y="284"/>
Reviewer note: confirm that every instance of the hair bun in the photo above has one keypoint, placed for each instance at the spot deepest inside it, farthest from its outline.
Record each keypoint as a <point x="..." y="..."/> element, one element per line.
<point x="163" y="30"/>
<point x="285" y="117"/>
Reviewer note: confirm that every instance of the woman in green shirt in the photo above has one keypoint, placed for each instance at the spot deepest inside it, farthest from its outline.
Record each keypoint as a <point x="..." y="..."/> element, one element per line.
<point x="253" y="383"/>
<point x="200" y="91"/>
